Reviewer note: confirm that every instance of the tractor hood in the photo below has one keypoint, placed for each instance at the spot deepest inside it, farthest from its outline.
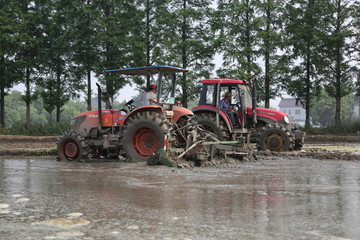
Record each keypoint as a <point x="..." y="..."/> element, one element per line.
<point x="270" y="115"/>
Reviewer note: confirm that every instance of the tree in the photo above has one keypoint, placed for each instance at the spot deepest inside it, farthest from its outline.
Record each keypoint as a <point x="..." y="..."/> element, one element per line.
<point x="338" y="72"/>
<point x="120" y="41"/>
<point x="269" y="33"/>
<point x="84" y="40"/>
<point x="238" y="26"/>
<point x="59" y="82"/>
<point x="322" y="112"/>
<point x="303" y="21"/>
<point x="9" y="42"/>
<point x="187" y="41"/>
<point x="356" y="43"/>
<point x="31" y="19"/>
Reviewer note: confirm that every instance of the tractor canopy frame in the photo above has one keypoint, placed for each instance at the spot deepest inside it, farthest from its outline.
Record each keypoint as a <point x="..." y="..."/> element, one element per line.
<point x="152" y="70"/>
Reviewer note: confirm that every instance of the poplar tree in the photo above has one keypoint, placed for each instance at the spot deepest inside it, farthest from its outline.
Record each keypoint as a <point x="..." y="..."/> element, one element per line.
<point x="120" y="42"/>
<point x="303" y="21"/>
<point x="155" y="12"/>
<point x="339" y="74"/>
<point x="58" y="84"/>
<point x="269" y="45"/>
<point x="10" y="45"/>
<point x="187" y="38"/>
<point x="238" y="27"/>
<point x="83" y="37"/>
<point x="28" y="56"/>
<point x="356" y="43"/>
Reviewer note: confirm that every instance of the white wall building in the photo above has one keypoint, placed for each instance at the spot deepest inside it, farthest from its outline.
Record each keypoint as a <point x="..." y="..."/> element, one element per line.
<point x="296" y="112"/>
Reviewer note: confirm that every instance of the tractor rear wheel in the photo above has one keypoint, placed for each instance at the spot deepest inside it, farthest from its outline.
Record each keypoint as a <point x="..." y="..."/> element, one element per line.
<point x="208" y="121"/>
<point x="144" y="135"/>
<point x="71" y="147"/>
<point x="274" y="137"/>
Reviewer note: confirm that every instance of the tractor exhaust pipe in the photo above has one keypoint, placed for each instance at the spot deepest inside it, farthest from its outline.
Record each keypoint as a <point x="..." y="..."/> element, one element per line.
<point x="99" y="108"/>
<point x="254" y="103"/>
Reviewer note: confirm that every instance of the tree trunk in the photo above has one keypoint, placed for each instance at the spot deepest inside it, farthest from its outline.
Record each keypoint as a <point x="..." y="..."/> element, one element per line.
<point x="148" y="45"/>
<point x="2" y="92"/>
<point x="89" y="91"/>
<point x="184" y="59"/>
<point x="338" y="92"/>
<point x="28" y="99"/>
<point x="248" y="41"/>
<point x="51" y="117"/>
<point x="307" y="91"/>
<point x="58" y="92"/>
<point x="267" y="60"/>
<point x="2" y="105"/>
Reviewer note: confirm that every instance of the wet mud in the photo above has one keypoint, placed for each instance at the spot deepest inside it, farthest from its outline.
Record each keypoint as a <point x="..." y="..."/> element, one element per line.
<point x="277" y="197"/>
<point x="316" y="146"/>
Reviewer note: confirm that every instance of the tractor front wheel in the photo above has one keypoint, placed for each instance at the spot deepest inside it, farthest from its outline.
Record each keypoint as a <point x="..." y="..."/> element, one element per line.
<point x="274" y="137"/>
<point x="144" y="135"/>
<point x="71" y="147"/>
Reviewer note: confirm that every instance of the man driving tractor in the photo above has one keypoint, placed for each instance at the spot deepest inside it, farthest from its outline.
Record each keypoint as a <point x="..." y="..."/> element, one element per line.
<point x="226" y="107"/>
<point x="146" y="98"/>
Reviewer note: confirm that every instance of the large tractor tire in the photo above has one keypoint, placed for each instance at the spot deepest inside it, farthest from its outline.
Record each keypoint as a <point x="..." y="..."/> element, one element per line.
<point x="72" y="147"/>
<point x="208" y="121"/>
<point x="144" y="135"/>
<point x="275" y="137"/>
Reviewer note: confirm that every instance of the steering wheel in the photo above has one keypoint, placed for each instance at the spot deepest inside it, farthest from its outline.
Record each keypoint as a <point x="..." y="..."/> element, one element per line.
<point x="129" y="105"/>
<point x="237" y="105"/>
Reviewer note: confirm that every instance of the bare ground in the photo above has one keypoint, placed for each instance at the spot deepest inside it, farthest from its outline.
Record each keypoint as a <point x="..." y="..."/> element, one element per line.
<point x="338" y="147"/>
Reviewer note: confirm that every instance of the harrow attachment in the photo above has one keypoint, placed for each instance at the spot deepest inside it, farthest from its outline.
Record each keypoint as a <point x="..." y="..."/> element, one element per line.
<point x="194" y="146"/>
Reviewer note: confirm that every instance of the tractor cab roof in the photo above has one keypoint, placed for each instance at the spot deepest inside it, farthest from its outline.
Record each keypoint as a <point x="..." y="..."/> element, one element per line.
<point x="224" y="81"/>
<point x="146" y="70"/>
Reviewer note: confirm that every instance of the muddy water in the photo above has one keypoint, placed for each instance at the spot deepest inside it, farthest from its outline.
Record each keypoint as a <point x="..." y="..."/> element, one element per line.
<point x="270" y="199"/>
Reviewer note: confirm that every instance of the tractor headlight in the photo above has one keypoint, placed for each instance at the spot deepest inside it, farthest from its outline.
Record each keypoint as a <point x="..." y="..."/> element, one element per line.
<point x="286" y="119"/>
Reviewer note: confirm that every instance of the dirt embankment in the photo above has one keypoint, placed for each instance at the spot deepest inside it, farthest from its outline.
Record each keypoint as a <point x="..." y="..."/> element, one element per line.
<point x="316" y="146"/>
<point x="332" y="139"/>
<point x="27" y="145"/>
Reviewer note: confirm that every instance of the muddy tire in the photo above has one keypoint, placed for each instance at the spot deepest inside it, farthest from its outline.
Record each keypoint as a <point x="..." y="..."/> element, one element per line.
<point x="144" y="135"/>
<point x="72" y="147"/>
<point x="275" y="137"/>
<point x="208" y="121"/>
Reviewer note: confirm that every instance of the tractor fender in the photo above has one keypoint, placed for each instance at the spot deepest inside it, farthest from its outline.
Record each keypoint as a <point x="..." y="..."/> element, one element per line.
<point x="151" y="108"/>
<point x="266" y="119"/>
<point x="222" y="115"/>
<point x="180" y="112"/>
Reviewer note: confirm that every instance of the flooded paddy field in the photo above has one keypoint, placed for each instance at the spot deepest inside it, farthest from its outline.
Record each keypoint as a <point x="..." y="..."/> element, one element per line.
<point x="297" y="195"/>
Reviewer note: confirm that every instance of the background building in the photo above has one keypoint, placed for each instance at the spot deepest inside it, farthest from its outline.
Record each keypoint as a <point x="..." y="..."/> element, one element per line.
<point x="295" y="112"/>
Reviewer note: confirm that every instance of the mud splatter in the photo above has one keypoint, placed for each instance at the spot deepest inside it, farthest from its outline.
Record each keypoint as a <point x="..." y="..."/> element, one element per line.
<point x="74" y="215"/>
<point x="4" y="205"/>
<point x="65" y="235"/>
<point x="22" y="200"/>
<point x="63" y="223"/>
<point x="133" y="227"/>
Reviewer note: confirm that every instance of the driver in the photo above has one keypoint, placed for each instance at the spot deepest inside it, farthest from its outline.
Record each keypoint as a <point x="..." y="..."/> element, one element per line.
<point x="145" y="98"/>
<point x="226" y="107"/>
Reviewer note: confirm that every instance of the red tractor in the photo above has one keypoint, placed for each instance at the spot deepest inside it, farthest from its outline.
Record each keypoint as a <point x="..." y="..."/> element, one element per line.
<point x="135" y="133"/>
<point x="163" y="133"/>
<point x="273" y="129"/>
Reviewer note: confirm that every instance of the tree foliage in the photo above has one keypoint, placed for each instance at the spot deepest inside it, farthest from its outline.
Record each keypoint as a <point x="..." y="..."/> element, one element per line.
<point x="323" y="113"/>
<point x="54" y="47"/>
<point x="303" y="24"/>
